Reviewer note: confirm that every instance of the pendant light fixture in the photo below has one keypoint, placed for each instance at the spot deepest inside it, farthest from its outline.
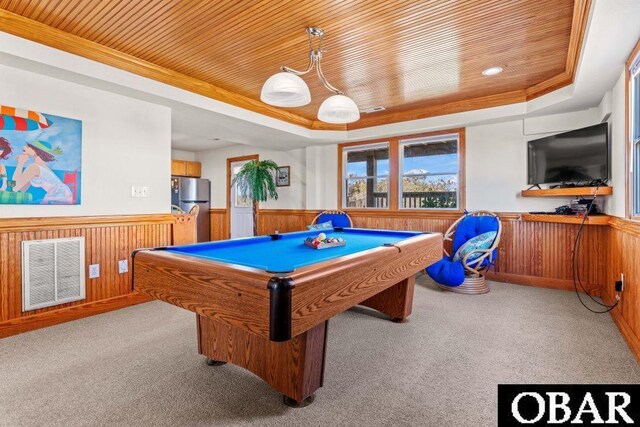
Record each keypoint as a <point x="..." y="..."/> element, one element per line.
<point x="287" y="89"/>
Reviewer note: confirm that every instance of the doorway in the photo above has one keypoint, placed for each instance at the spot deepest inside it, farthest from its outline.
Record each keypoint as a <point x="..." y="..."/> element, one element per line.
<point x="240" y="210"/>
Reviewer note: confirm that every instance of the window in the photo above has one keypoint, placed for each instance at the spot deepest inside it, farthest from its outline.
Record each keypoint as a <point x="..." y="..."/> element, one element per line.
<point x="239" y="201"/>
<point x="409" y="172"/>
<point x="634" y="133"/>
<point x="429" y="173"/>
<point x="366" y="176"/>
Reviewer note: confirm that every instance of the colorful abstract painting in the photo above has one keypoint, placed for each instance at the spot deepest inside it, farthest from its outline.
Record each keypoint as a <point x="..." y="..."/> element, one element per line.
<point x="40" y="158"/>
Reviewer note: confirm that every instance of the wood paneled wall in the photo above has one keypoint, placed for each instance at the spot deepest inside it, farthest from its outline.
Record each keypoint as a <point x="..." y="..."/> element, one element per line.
<point x="539" y="254"/>
<point x="107" y="240"/>
<point x="624" y="257"/>
<point x="218" y="224"/>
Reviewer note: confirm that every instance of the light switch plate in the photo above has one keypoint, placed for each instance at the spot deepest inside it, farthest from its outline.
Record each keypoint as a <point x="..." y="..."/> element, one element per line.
<point x="123" y="266"/>
<point x="138" y="191"/>
<point x="94" y="271"/>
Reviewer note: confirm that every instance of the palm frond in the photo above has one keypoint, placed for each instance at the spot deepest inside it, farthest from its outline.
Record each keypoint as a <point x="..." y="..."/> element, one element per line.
<point x="256" y="180"/>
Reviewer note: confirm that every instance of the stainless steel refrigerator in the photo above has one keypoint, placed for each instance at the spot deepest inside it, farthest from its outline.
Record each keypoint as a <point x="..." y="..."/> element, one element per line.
<point x="186" y="192"/>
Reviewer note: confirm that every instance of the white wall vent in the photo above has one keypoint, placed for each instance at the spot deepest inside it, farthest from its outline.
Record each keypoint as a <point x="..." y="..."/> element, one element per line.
<point x="373" y="109"/>
<point x="52" y="272"/>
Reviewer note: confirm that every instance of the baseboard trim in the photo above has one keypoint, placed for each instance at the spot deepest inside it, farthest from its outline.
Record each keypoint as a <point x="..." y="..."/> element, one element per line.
<point x="540" y="282"/>
<point x="55" y="317"/>
<point x="633" y="341"/>
<point x="627" y="333"/>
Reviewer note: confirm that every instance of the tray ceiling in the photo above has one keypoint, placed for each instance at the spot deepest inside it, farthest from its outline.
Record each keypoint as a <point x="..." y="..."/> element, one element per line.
<point x="415" y="58"/>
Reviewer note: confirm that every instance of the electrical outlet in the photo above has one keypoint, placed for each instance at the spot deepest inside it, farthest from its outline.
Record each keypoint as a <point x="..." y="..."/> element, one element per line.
<point x="94" y="271"/>
<point x="123" y="266"/>
<point x="144" y="192"/>
<point x="619" y="284"/>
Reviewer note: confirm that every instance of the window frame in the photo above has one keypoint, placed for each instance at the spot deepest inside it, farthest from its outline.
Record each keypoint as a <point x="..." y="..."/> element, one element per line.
<point x="402" y="142"/>
<point x="344" y="151"/>
<point x="394" y="173"/>
<point x="632" y="156"/>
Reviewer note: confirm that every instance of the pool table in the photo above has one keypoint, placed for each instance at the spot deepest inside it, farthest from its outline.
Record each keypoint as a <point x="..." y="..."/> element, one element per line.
<point x="263" y="303"/>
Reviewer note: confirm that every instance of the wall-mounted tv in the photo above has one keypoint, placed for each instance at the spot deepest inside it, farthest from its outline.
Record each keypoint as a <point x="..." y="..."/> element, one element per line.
<point x="571" y="157"/>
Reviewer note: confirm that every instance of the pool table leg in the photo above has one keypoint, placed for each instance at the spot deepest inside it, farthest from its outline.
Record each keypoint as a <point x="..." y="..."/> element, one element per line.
<point x="396" y="301"/>
<point x="295" y="367"/>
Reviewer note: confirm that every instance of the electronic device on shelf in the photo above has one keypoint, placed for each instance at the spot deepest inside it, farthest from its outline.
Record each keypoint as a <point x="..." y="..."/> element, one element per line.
<point x="594" y="183"/>
<point x="573" y="159"/>
<point x="565" y="210"/>
<point x="576" y="207"/>
<point x="583" y="206"/>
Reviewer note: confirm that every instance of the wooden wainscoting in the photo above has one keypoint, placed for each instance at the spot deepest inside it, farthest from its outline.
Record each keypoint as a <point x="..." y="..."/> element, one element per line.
<point x="284" y="220"/>
<point x="539" y="254"/>
<point x="624" y="257"/>
<point x="107" y="240"/>
<point x="218" y="224"/>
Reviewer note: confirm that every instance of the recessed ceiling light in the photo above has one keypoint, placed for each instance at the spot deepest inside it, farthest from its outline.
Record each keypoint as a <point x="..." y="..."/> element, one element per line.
<point x="492" y="71"/>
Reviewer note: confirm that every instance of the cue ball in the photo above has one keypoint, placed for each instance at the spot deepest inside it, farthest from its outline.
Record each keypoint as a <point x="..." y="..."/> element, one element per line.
<point x="322" y="236"/>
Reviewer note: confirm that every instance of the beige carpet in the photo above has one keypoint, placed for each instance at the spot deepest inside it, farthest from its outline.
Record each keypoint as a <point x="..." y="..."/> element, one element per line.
<point x="140" y="366"/>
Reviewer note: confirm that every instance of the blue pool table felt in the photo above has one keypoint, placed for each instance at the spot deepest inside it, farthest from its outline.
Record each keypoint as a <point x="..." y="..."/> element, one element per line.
<point x="289" y="251"/>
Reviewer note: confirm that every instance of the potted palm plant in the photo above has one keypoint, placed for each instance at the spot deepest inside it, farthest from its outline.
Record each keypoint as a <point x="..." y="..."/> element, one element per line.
<point x="256" y="181"/>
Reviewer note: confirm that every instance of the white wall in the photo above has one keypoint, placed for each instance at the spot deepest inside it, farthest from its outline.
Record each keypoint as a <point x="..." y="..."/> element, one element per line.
<point x="496" y="166"/>
<point x="214" y="168"/>
<point x="183" y="155"/>
<point x="125" y="142"/>
<point x="496" y="161"/>
<point x="322" y="177"/>
<point x="616" y="203"/>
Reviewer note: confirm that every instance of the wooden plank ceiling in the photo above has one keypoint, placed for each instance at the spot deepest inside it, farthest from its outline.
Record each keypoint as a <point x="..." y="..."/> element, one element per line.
<point x="413" y="57"/>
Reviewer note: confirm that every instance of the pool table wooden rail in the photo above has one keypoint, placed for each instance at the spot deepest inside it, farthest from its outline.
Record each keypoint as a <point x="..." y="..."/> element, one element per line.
<point x="233" y="295"/>
<point x="326" y="289"/>
<point x="239" y="296"/>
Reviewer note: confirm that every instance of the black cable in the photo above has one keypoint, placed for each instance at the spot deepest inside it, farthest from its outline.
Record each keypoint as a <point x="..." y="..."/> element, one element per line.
<point x="575" y="264"/>
<point x="576" y="251"/>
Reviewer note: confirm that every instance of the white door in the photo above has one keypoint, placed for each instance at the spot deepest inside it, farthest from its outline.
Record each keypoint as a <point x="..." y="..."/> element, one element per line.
<point x="241" y="210"/>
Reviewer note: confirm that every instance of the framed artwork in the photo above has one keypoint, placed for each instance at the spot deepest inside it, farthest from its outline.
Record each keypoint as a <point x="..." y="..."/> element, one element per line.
<point x="283" y="176"/>
<point x="40" y="158"/>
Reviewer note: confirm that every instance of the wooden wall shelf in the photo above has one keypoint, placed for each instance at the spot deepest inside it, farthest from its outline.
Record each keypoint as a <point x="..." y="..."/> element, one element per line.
<point x="567" y="219"/>
<point x="568" y="192"/>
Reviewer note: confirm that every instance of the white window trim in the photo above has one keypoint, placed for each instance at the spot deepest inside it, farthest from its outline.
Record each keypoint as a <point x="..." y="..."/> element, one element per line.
<point x="343" y="184"/>
<point x="422" y="140"/>
<point x="634" y="161"/>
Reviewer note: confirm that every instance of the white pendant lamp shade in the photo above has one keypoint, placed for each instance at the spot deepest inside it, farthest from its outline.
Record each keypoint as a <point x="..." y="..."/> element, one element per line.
<point x="285" y="90"/>
<point x="338" y="109"/>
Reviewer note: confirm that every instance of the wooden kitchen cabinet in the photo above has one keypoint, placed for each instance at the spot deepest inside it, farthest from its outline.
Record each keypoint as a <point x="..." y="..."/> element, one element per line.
<point x="186" y="168"/>
<point x="194" y="169"/>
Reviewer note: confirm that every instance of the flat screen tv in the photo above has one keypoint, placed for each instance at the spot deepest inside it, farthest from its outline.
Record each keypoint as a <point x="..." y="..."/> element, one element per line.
<point x="570" y="157"/>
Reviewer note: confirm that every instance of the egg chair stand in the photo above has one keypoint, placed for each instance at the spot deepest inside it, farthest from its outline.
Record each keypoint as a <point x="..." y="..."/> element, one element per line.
<point x="475" y="281"/>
